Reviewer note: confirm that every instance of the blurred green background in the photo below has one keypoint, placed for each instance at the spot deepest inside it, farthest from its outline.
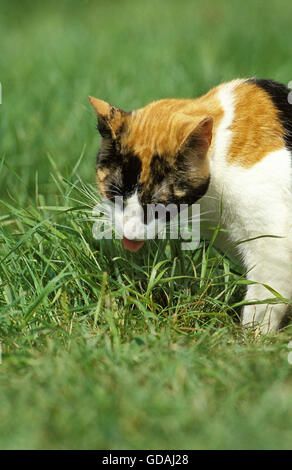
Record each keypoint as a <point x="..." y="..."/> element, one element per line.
<point x="55" y="53"/>
<point x="102" y="348"/>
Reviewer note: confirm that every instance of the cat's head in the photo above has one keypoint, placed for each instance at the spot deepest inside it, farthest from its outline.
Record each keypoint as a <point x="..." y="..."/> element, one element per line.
<point x="156" y="155"/>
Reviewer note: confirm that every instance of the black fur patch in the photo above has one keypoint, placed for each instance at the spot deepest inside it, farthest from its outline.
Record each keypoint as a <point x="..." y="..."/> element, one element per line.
<point x="131" y="171"/>
<point x="104" y="128"/>
<point x="192" y="195"/>
<point x="125" y="169"/>
<point x="192" y="192"/>
<point x="159" y="170"/>
<point x="172" y="180"/>
<point x="279" y="95"/>
<point x="109" y="155"/>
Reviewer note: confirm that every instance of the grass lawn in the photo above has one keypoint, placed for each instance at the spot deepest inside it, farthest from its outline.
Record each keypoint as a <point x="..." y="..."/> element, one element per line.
<point x="102" y="348"/>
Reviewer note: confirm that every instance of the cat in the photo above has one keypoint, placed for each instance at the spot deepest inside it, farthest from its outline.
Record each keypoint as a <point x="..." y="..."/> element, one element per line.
<point x="231" y="151"/>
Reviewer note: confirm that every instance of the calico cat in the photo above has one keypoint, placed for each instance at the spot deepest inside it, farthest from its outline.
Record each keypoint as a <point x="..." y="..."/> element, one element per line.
<point x="230" y="150"/>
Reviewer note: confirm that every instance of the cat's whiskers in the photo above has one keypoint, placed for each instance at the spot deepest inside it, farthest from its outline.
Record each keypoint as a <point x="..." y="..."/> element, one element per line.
<point x="86" y="191"/>
<point x="116" y="188"/>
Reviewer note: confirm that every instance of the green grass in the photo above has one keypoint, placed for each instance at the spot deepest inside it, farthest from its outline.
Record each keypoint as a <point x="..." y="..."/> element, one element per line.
<point x="102" y="348"/>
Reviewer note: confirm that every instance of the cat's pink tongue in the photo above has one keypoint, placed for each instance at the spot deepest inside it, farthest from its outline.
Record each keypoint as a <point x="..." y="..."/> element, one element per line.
<point x="132" y="245"/>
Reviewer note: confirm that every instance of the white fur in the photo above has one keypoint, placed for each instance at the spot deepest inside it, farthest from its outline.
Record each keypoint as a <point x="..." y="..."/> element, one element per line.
<point x="133" y="219"/>
<point x="256" y="202"/>
<point x="129" y="222"/>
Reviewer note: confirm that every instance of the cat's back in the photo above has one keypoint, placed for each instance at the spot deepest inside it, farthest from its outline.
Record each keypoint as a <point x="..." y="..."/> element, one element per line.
<point x="252" y="148"/>
<point x="251" y="155"/>
<point x="256" y="121"/>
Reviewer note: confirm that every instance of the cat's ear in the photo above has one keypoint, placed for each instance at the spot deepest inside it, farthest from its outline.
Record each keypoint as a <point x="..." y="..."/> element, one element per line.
<point x="199" y="139"/>
<point x="109" y="117"/>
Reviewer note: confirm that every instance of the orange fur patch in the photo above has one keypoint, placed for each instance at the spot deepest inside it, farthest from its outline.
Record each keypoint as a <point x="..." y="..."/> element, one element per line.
<point x="102" y="174"/>
<point x="162" y="126"/>
<point x="256" y="129"/>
